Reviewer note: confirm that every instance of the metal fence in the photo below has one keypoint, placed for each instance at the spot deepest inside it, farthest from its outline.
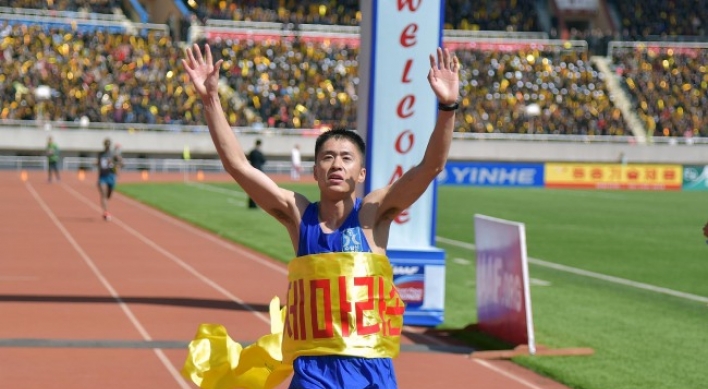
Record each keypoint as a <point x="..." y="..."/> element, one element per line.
<point x="19" y="163"/>
<point x="136" y="164"/>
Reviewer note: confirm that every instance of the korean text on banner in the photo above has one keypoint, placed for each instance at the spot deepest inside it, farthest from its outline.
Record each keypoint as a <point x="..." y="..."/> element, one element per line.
<point x="613" y="176"/>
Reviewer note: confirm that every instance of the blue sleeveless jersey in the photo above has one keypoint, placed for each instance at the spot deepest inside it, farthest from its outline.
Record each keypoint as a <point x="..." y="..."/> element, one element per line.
<point x="325" y="372"/>
<point x="347" y="238"/>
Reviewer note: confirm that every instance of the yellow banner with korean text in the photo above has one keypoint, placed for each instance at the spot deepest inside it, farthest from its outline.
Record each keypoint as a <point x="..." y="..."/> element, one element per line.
<point x="337" y="304"/>
<point x="613" y="176"/>
<point x="342" y="304"/>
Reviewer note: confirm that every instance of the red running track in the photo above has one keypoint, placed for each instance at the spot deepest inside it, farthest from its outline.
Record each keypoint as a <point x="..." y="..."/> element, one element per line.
<point x="86" y="303"/>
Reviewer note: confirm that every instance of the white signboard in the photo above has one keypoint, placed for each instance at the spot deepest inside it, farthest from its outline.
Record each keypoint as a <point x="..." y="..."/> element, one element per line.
<point x="397" y="108"/>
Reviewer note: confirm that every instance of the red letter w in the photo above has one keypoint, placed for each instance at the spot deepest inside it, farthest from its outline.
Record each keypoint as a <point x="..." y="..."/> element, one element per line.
<point x="412" y="4"/>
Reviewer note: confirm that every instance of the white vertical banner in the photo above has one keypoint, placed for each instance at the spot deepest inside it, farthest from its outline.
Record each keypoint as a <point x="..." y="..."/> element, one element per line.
<point x="397" y="108"/>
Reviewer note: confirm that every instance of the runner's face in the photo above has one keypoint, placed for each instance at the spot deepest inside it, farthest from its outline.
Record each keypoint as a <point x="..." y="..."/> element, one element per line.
<point x="338" y="166"/>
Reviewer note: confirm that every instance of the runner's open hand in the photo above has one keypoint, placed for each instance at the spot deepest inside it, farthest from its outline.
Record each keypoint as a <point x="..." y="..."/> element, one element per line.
<point x="202" y="70"/>
<point x="443" y="76"/>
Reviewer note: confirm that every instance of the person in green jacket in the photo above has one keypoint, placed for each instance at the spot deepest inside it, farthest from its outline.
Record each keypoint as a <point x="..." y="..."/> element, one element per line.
<point x="52" y="153"/>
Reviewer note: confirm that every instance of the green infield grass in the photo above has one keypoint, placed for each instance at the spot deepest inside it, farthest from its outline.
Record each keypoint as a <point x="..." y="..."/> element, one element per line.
<point x="633" y="284"/>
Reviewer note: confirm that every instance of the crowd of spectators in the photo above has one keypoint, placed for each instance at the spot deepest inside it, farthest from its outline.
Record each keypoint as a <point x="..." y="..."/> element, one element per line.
<point x="327" y="12"/>
<point x="554" y="90"/>
<point x="662" y="18"/>
<point x="120" y="78"/>
<point x="492" y="15"/>
<point x="639" y="20"/>
<point x="495" y="15"/>
<point x="598" y="40"/>
<point x="669" y="88"/>
<point x="104" y="77"/>
<point x="290" y="83"/>
<point x="286" y="83"/>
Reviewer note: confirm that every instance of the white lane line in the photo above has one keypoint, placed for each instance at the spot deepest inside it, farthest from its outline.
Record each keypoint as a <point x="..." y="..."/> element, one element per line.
<point x="231" y="193"/>
<point x="216" y="189"/>
<point x="537" y="282"/>
<point x="174" y="258"/>
<point x="123" y="306"/>
<point x="506" y="374"/>
<point x="235" y="202"/>
<point x="208" y="236"/>
<point x="462" y="261"/>
<point x="590" y="274"/>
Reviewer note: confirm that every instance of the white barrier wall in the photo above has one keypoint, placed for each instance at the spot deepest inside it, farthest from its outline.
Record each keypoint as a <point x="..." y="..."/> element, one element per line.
<point x="73" y="142"/>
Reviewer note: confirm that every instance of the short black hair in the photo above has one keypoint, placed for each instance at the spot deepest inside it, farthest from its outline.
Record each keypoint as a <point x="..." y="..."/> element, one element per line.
<point x="340" y="133"/>
<point x="258" y="142"/>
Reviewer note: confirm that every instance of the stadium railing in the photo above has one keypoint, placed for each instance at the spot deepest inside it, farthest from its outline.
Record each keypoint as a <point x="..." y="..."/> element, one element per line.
<point x="216" y="27"/>
<point x="339" y="29"/>
<point x="82" y="21"/>
<point x="161" y="165"/>
<point x="616" y="45"/>
<point x="19" y="163"/>
<point x="70" y="15"/>
<point x="139" y="127"/>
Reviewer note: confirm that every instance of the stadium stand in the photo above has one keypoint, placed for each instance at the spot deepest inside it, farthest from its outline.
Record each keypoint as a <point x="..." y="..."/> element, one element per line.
<point x="104" y="76"/>
<point x="294" y="84"/>
<point x="535" y="88"/>
<point x="293" y="64"/>
<point x="498" y="15"/>
<point x="327" y="12"/>
<point x="661" y="19"/>
<point x="668" y="84"/>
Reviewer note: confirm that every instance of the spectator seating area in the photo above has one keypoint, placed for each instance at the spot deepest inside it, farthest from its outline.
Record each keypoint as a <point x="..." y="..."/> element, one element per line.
<point x="497" y="15"/>
<point x="287" y="83"/>
<point x="645" y="19"/>
<point x="668" y="85"/>
<point x="529" y="89"/>
<point x="117" y="77"/>
<point x="61" y="74"/>
<point x="327" y="12"/>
